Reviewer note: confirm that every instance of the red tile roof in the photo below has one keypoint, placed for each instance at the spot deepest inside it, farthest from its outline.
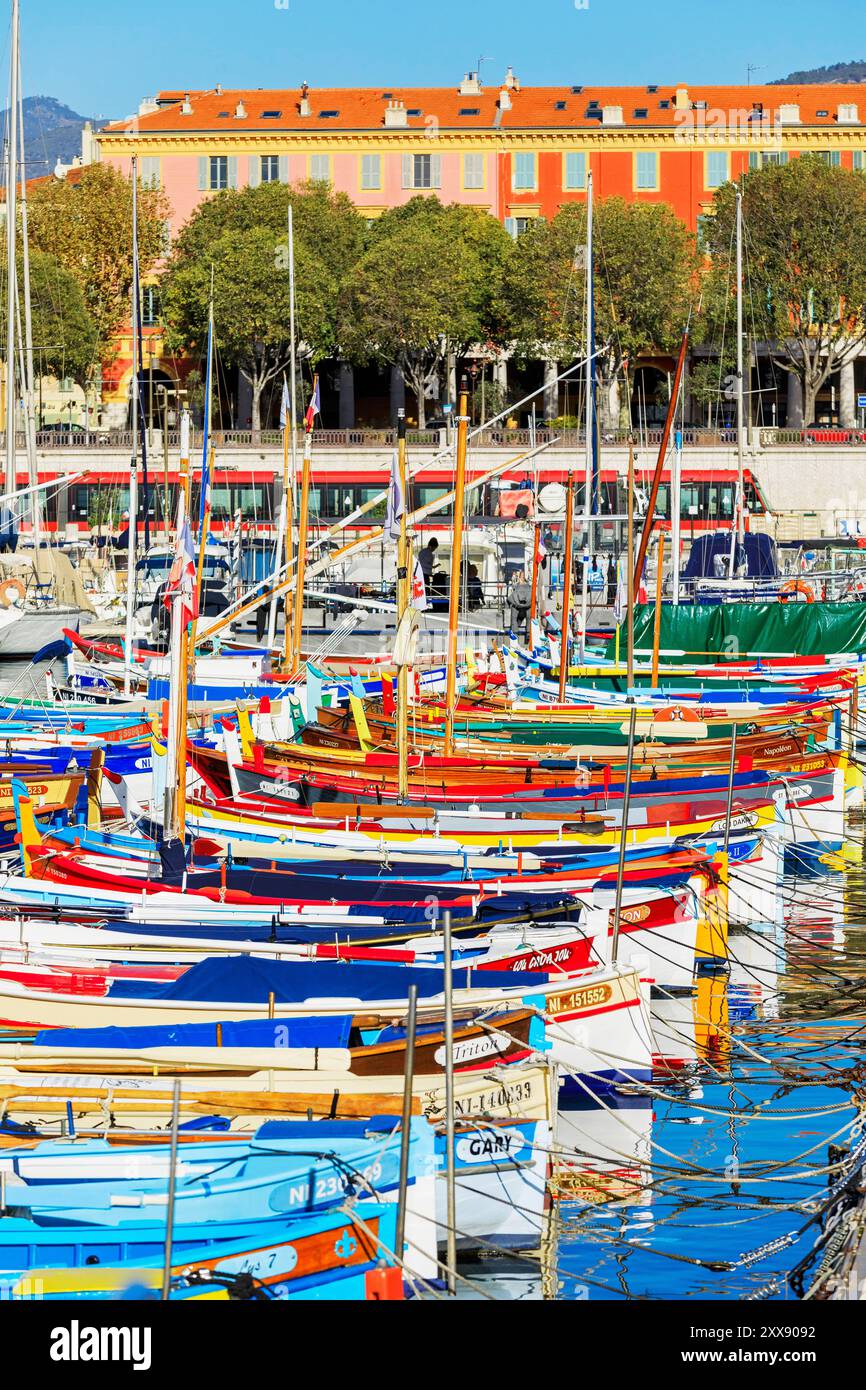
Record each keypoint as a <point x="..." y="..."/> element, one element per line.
<point x="532" y="108"/>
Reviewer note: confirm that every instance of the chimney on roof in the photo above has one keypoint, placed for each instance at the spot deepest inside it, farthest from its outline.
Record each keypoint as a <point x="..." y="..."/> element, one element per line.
<point x="470" y="86"/>
<point x="681" y="99"/>
<point x="304" y="108"/>
<point x="88" y="144"/>
<point x="505" y="99"/>
<point x="512" y="83"/>
<point x="240" y="111"/>
<point x="148" y="106"/>
<point x="396" y="117"/>
<point x="218" y="89"/>
<point x="186" y="107"/>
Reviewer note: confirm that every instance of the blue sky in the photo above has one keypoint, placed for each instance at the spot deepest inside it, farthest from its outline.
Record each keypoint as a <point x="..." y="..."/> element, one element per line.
<point x="102" y="59"/>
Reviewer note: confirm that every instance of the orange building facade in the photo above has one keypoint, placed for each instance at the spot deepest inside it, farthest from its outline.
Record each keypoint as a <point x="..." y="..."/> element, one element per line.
<point x="517" y="152"/>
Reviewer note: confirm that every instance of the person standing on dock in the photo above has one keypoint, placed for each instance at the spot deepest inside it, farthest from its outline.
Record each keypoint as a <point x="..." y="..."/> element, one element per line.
<point x="427" y="561"/>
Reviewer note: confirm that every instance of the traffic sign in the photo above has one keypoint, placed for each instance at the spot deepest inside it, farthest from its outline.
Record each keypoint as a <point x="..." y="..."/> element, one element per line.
<point x="861" y="402"/>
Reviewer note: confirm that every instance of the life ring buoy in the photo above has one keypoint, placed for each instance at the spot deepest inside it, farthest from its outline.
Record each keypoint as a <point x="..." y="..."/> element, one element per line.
<point x="796" y="586"/>
<point x="10" y="589"/>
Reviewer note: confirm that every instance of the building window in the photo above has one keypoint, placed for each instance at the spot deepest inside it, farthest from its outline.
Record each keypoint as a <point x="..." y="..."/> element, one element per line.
<point x="371" y="171"/>
<point x="219" y="172"/>
<point x="858" y="161"/>
<point x="422" y="171"/>
<point x="150" y="171"/>
<point x="759" y="159"/>
<point x="518" y="226"/>
<point x="523" y="175"/>
<point x="473" y="171"/>
<point x="575" y="170"/>
<point x="151" y="306"/>
<point x="717" y="170"/>
<point x="270" y="168"/>
<point x="705" y="222"/>
<point x="831" y="157"/>
<point x="646" y="170"/>
<point x="320" y="168"/>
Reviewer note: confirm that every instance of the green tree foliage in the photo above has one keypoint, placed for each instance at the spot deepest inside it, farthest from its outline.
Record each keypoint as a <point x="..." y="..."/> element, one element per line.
<point x="64" y="335"/>
<point x="239" y="242"/>
<point x="805" y="267"/>
<point x="85" y="224"/>
<point x="429" y="286"/>
<point x="645" y="266"/>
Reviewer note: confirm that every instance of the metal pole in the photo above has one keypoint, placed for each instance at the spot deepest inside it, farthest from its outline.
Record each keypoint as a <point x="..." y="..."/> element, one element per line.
<point x="456" y="554"/>
<point x="565" y="646"/>
<point x="658" y="614"/>
<point x="730" y="805"/>
<point x="405" y="1134"/>
<point x="740" y="410"/>
<point x="676" y="513"/>
<point x="630" y="575"/>
<point x="403" y="591"/>
<point x="172" y="1188"/>
<point x="626" y="807"/>
<point x="10" y="479"/>
<point x="450" y="1184"/>
<point x="133" y="464"/>
<point x="590" y="426"/>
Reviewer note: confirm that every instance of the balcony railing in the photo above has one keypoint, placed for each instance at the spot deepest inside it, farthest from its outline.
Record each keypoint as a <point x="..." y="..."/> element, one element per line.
<point x="516" y="440"/>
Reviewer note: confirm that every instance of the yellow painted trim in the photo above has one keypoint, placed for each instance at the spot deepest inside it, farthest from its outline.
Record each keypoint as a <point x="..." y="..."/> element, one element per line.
<point x="711" y="187"/>
<point x="654" y="188"/>
<point x="475" y="188"/>
<point x="530" y="210"/>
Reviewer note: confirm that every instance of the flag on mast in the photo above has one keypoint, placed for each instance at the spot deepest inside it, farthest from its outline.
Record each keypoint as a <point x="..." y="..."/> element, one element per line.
<point x="285" y="407"/>
<point x="182" y="580"/>
<point x="419" y="589"/>
<point x="396" y="500"/>
<point x="315" y="406"/>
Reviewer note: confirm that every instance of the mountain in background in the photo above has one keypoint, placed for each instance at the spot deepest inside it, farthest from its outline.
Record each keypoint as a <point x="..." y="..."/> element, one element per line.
<point x="52" y="131"/>
<point x="854" y="71"/>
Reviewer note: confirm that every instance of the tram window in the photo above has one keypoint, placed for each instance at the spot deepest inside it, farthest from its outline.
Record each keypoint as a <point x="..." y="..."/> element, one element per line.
<point x="754" y="503"/>
<point x="424" y="496"/>
<point x="727" y="508"/>
<point x="663" y="501"/>
<point x="691" y="499"/>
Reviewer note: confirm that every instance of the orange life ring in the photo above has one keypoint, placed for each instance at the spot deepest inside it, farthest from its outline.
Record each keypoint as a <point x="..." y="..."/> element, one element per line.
<point x="796" y="586"/>
<point x="9" y="589"/>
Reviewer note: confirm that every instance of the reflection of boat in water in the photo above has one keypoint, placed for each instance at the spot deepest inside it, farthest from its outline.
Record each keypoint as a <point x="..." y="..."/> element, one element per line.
<point x="603" y="1153"/>
<point x="757" y="955"/>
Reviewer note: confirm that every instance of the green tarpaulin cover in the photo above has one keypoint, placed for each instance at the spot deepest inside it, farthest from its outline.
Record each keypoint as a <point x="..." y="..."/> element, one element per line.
<point x="695" y="633"/>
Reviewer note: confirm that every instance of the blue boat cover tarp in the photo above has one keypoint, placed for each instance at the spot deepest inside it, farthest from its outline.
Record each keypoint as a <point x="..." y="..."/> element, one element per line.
<point x="249" y="980"/>
<point x="256" y="1032"/>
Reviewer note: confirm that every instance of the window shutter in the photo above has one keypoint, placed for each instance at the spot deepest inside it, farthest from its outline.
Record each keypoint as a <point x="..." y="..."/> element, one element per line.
<point x="233" y="172"/>
<point x="436" y="171"/>
<point x="408" y="166"/>
<point x="255" y="170"/>
<point x="511" y="227"/>
<point x="284" y="168"/>
<point x="203" y="174"/>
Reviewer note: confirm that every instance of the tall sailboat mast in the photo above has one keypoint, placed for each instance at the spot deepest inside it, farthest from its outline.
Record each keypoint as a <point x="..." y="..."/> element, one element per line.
<point x="590" y="423"/>
<point x="11" y="234"/>
<point x="29" y="375"/>
<point x="133" y="463"/>
<point x="740" y="410"/>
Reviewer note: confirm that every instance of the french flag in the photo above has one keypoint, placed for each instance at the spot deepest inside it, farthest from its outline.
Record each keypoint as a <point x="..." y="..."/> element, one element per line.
<point x="182" y="580"/>
<point x="315" y="406"/>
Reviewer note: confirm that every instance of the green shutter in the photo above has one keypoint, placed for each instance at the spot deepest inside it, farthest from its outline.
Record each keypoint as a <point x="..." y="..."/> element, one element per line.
<point x="284" y="168"/>
<point x="203" y="173"/>
<point x="254" y="176"/>
<point x="407" y="170"/>
<point x="233" y="172"/>
<point x="436" y="171"/>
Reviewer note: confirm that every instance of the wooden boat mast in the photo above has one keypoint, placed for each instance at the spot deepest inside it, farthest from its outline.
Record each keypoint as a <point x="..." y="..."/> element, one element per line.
<point x="303" y="527"/>
<point x="590" y="423"/>
<point x="404" y="588"/>
<point x="660" y="463"/>
<point x="456" y="554"/>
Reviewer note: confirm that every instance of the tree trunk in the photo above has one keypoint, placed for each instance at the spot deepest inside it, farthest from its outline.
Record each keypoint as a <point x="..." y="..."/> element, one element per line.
<point x="257" y="385"/>
<point x="810" y="396"/>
